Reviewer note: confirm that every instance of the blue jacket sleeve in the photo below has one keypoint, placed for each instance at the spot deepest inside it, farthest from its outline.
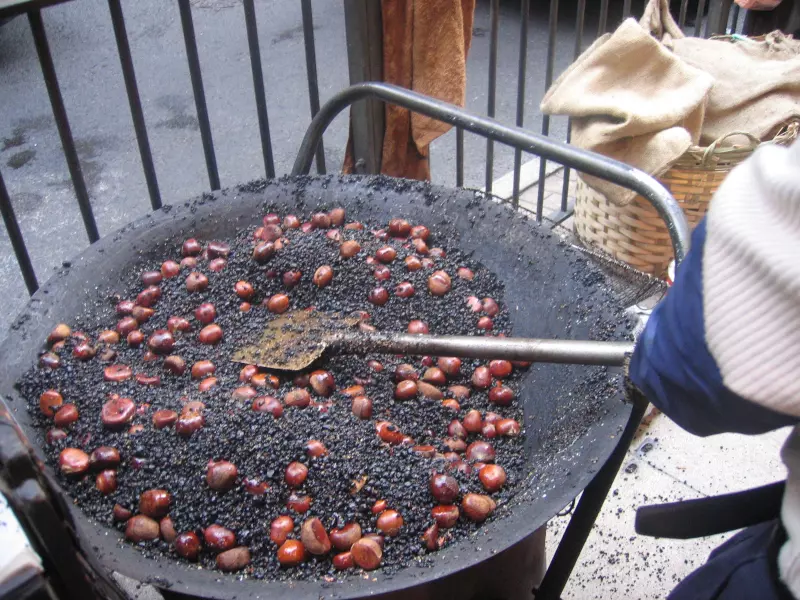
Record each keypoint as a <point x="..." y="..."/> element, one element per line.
<point x="674" y="368"/>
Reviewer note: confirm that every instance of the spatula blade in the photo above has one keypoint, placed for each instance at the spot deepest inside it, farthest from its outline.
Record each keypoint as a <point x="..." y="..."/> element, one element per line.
<point x="294" y="340"/>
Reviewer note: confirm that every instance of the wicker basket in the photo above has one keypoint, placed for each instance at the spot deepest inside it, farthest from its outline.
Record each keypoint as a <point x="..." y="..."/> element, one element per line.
<point x="635" y="233"/>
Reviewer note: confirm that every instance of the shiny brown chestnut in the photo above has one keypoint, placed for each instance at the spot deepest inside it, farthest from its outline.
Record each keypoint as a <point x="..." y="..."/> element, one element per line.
<point x="489" y="431"/>
<point x="135" y="338"/>
<point x="485" y="324"/>
<point x="455" y="444"/>
<point x="404" y="372"/>
<point x="155" y="503"/>
<point x="295" y="474"/>
<point x="244" y="289"/>
<point x="164" y="418"/>
<point x="203" y="368"/>
<point x="291" y="222"/>
<point x="481" y="378"/>
<point x="148" y="296"/>
<point x="378" y="296"/>
<point x="315" y="448"/>
<point x="389" y="523"/>
<point x="323" y="276"/>
<point x="404" y="289"/>
<point x="439" y="283"/>
<point x="60" y="333"/>
<point x="66" y="415"/>
<point x="399" y="228"/>
<point x="175" y="365"/>
<point x="413" y="263"/>
<point x="167" y="529"/>
<point x="426" y="390"/>
<point x="456" y="429"/>
<point x="120" y="513"/>
<point x="420" y="246"/>
<point x="382" y="273"/>
<point x="417" y="326"/>
<point x="477" y="507"/>
<point x="278" y="303"/>
<point x="187" y="545"/>
<point x="210" y="334"/>
<point x="280" y="529"/>
<point x="502" y="395"/>
<point x="343" y="561"/>
<point x="188" y="263"/>
<point x="292" y="278"/>
<point x="450" y="365"/>
<point x="362" y="407"/>
<point x="141" y="529"/>
<point x="385" y="254"/>
<point x="314" y="537"/>
<point x="49" y="402"/>
<point x="344" y="538"/>
<point x="221" y="475"/>
<point x="297" y="397"/>
<point x="388" y="432"/>
<point x="434" y="375"/>
<point x="108" y="336"/>
<point x="161" y="341"/>
<point x="188" y="423"/>
<point x="431" y="538"/>
<point x="445" y="515"/>
<point x="493" y="477"/>
<point x="263" y="251"/>
<point x="349" y="249"/>
<point x="406" y="390"/>
<point x="234" y="559"/>
<point x="322" y="383"/>
<point x="219" y="538"/>
<point x="500" y="368"/>
<point x="72" y="461"/>
<point x="205" y="313"/>
<point x="191" y="247"/>
<point x="84" y="351"/>
<point x="117" y="412"/>
<point x="367" y="554"/>
<point x="298" y="503"/>
<point x="444" y="488"/>
<point x="452" y="404"/>
<point x="291" y="553"/>
<point x="106" y="482"/>
<point x="420" y="232"/>
<point x="480" y="451"/>
<point x="170" y="269"/>
<point x="104" y="457"/>
<point x="473" y="422"/>
<point x="267" y="404"/>
<point x="196" y="282"/>
<point x="507" y="427"/>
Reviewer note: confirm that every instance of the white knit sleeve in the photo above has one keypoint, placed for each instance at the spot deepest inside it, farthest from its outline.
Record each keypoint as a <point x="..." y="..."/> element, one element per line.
<point x="751" y="279"/>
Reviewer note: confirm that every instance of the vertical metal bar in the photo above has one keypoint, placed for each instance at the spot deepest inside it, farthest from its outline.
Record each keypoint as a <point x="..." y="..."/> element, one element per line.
<point x="311" y="71"/>
<point x="132" y="89"/>
<point x="494" y="17"/>
<point x="62" y="123"/>
<point x="718" y="15"/>
<point x="698" y="20"/>
<point x="682" y="15"/>
<point x="735" y="18"/>
<point x="459" y="157"/>
<point x="586" y="511"/>
<point x="579" y="21"/>
<point x="603" y="21"/>
<point x="364" y="30"/>
<point x="196" y="75"/>
<point x="548" y="80"/>
<point x="626" y="9"/>
<point x="251" y="26"/>
<point x="522" y="70"/>
<point x="17" y="242"/>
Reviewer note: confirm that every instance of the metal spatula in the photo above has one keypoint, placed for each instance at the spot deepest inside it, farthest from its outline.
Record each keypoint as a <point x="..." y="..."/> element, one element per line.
<point x="294" y="340"/>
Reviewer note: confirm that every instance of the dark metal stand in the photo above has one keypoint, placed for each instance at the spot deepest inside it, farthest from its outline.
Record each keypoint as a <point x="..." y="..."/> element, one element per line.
<point x="594" y="495"/>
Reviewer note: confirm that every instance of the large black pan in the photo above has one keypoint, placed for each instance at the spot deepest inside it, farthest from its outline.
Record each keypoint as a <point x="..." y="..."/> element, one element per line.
<point x="572" y="413"/>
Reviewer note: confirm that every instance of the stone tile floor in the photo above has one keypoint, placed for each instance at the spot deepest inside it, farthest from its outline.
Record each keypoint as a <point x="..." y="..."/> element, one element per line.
<point x="664" y="464"/>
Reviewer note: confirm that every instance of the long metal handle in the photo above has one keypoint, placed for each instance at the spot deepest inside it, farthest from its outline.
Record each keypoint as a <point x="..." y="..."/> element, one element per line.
<point x="576" y="352"/>
<point x="581" y="160"/>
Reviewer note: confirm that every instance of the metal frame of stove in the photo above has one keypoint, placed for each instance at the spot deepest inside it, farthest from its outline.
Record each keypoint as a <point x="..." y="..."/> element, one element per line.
<point x="43" y="514"/>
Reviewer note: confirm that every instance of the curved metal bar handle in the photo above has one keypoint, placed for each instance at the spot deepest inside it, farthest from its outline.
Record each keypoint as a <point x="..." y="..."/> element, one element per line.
<point x="516" y="137"/>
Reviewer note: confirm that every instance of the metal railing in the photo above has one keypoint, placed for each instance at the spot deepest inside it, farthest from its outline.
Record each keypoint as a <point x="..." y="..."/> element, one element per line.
<point x="362" y="22"/>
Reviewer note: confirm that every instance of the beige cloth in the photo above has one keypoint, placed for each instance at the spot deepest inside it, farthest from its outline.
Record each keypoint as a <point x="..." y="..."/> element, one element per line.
<point x="632" y="100"/>
<point x="646" y="93"/>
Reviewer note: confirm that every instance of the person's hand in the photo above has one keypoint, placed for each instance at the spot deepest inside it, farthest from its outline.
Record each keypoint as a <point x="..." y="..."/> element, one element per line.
<point x="758" y="4"/>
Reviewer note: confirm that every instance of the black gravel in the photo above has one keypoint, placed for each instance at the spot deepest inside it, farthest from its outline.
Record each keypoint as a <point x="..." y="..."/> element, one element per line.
<point x="262" y="446"/>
